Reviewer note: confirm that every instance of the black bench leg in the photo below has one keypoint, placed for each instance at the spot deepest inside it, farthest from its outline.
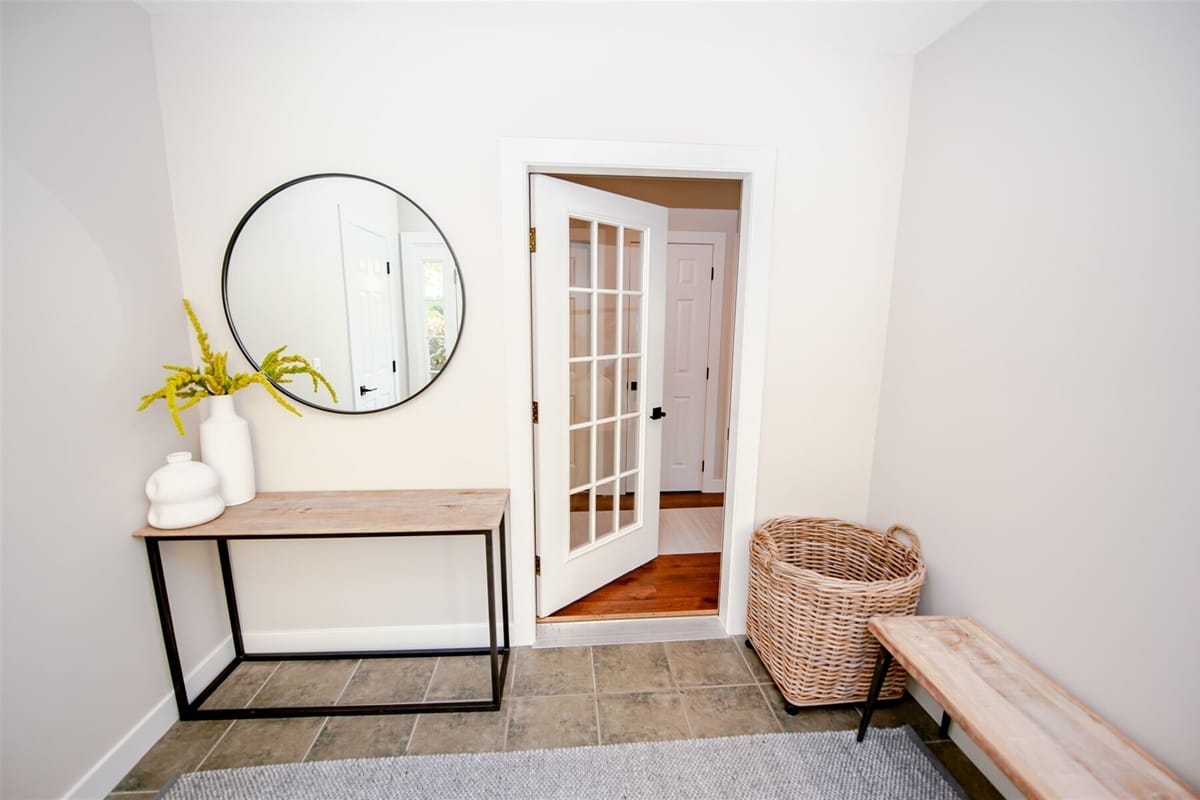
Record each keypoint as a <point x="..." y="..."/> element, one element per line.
<point x="882" y="664"/>
<point x="944" y="728"/>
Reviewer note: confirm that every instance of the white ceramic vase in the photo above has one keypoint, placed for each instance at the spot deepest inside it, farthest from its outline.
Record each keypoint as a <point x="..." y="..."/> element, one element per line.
<point x="183" y="493"/>
<point x="225" y="446"/>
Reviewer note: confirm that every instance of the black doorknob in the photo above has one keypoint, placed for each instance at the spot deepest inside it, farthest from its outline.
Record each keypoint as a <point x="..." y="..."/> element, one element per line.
<point x="657" y="413"/>
<point x="363" y="390"/>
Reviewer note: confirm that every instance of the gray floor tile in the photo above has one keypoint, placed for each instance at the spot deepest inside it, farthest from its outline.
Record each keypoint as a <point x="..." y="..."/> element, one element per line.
<point x="708" y="662"/>
<point x="552" y="721"/>
<point x="464" y="678"/>
<point x="757" y="668"/>
<point x="252" y="742"/>
<point x="475" y="732"/>
<point x="642" y="717"/>
<point x="245" y="681"/>
<point x="807" y="720"/>
<point x="376" y="736"/>
<point x="631" y="667"/>
<point x="905" y="711"/>
<point x="180" y="749"/>
<point x="560" y="670"/>
<point x="388" y="680"/>
<point x="305" y="683"/>
<point x="728" y="711"/>
<point x="967" y="774"/>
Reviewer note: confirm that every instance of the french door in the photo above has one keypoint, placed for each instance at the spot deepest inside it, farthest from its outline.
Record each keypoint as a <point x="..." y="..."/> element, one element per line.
<point x="598" y="301"/>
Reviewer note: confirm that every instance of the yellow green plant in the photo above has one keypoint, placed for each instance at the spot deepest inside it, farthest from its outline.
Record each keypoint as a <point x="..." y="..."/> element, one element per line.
<point x="187" y="386"/>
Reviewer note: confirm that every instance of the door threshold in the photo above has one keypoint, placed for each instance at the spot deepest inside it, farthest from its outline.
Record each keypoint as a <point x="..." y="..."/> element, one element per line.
<point x="628" y="631"/>
<point x="555" y="618"/>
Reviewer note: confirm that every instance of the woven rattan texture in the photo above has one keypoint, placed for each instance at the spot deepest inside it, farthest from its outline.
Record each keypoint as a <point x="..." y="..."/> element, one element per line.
<point x="814" y="583"/>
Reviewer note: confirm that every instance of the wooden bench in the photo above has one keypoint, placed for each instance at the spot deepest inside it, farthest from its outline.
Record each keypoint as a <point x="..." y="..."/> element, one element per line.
<point x="1046" y="742"/>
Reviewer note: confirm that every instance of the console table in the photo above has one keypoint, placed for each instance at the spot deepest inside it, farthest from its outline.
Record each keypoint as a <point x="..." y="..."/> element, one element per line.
<point x="339" y="515"/>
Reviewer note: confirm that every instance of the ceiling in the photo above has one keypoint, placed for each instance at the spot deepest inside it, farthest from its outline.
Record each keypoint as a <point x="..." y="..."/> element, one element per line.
<point x="891" y="26"/>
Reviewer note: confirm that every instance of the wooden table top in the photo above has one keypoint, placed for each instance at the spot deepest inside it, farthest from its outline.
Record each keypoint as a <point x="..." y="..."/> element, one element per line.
<point x="1047" y="742"/>
<point x="350" y="513"/>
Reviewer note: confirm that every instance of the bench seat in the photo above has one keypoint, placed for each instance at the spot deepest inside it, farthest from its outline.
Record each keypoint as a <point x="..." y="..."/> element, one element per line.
<point x="1048" y="743"/>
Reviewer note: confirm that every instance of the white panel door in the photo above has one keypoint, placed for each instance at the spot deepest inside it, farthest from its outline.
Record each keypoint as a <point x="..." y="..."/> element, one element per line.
<point x="685" y="358"/>
<point x="372" y="329"/>
<point x="432" y="305"/>
<point x="598" y="298"/>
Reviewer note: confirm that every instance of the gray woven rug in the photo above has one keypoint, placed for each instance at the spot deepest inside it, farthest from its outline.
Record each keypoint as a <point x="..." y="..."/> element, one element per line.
<point x="889" y="764"/>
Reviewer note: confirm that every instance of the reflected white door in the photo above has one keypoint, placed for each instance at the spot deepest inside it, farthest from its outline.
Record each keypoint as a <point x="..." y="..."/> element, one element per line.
<point x="685" y="381"/>
<point x="432" y="304"/>
<point x="598" y="298"/>
<point x="372" y="329"/>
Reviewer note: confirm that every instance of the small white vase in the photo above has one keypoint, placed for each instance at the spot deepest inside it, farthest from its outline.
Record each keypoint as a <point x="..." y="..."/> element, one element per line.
<point x="225" y="446"/>
<point x="183" y="493"/>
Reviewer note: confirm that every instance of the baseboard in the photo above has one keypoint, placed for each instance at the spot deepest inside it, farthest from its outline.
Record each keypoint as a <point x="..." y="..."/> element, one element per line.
<point x="100" y="779"/>
<point x="968" y="747"/>
<point x="398" y="637"/>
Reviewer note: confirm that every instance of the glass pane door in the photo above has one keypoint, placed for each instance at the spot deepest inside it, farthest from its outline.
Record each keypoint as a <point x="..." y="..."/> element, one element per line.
<point x="606" y="343"/>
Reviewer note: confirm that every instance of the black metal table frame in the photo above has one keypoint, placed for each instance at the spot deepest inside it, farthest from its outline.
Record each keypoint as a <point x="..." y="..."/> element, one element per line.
<point x="882" y="664"/>
<point x="499" y="652"/>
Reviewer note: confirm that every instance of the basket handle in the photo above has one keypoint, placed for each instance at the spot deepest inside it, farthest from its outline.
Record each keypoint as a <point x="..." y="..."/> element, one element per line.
<point x="913" y="541"/>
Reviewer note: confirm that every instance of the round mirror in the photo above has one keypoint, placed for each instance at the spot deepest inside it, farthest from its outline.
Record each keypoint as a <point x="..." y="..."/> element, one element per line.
<point x="355" y="277"/>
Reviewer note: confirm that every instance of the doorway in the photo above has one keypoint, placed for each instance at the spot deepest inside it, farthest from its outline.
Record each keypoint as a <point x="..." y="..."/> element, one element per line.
<point x="687" y="315"/>
<point x="755" y="166"/>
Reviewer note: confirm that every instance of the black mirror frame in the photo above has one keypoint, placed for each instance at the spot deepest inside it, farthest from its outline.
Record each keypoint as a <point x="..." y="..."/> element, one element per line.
<point x="254" y="363"/>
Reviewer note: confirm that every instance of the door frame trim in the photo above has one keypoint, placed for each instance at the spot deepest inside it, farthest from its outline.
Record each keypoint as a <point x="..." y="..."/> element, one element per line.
<point x="716" y="322"/>
<point x="755" y="166"/>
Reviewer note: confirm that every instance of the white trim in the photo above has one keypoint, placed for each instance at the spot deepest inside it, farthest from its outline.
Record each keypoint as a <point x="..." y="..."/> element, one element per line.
<point x="756" y="167"/>
<point x="396" y="637"/>
<point x="716" y="316"/>
<point x="125" y="754"/>
<point x="628" y="631"/>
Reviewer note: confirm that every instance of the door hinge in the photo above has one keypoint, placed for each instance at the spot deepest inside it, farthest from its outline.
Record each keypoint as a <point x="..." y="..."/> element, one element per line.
<point x="535" y="412"/>
<point x="533" y="240"/>
<point x="537" y="565"/>
<point x="706" y="373"/>
<point x="712" y="273"/>
<point x="393" y="365"/>
<point x="389" y="267"/>
<point x="702" y="465"/>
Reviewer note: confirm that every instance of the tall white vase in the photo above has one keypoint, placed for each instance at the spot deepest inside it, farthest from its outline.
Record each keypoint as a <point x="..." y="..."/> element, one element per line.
<point x="225" y="446"/>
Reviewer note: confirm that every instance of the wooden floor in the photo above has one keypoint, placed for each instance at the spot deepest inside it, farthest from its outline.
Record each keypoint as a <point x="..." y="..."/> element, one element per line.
<point x="669" y="586"/>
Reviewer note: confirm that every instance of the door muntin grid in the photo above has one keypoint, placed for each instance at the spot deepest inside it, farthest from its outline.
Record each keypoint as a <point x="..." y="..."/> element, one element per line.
<point x="607" y="337"/>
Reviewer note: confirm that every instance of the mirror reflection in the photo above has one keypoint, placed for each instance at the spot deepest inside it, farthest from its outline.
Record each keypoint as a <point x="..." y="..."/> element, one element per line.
<point x="353" y="275"/>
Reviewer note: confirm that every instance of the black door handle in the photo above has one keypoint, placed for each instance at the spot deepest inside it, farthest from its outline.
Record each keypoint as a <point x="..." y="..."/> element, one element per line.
<point x="657" y="413"/>
<point x="363" y="390"/>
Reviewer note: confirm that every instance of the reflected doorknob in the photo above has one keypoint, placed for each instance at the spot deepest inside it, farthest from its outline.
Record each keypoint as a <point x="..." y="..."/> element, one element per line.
<point x="657" y="413"/>
<point x="363" y="390"/>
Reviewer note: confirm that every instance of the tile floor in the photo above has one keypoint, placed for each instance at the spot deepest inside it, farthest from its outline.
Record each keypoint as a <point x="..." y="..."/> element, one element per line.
<point x="690" y="530"/>
<point x="554" y="698"/>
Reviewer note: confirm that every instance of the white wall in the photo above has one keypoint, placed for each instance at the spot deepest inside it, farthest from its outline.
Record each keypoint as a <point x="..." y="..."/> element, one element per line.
<point x="90" y="311"/>
<point x="1038" y="423"/>
<point x="419" y="96"/>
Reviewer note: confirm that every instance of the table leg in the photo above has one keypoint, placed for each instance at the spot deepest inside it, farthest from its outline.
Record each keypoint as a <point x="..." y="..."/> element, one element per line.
<point x="504" y="583"/>
<point x="158" y="579"/>
<point x="235" y="624"/>
<point x="882" y="664"/>
<point x="491" y="597"/>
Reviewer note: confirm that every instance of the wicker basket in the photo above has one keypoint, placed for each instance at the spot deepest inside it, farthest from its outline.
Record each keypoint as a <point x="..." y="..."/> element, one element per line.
<point x="814" y="583"/>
